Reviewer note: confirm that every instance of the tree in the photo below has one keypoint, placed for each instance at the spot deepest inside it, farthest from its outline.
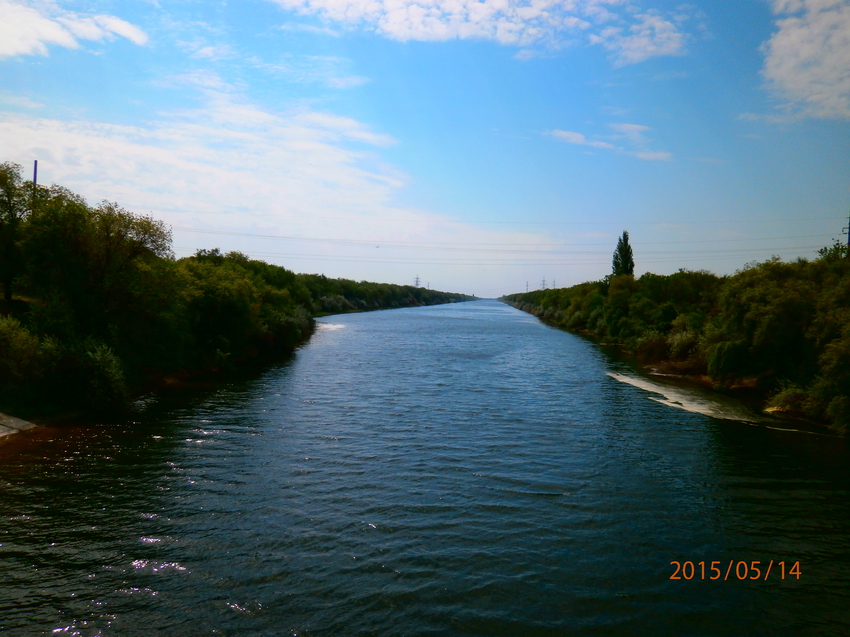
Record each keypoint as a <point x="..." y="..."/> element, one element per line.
<point x="623" y="261"/>
<point x="13" y="210"/>
<point x="94" y="260"/>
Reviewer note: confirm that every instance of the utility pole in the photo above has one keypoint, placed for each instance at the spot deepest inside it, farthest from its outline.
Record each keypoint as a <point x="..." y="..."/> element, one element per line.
<point x="34" y="182"/>
<point x="848" y="235"/>
<point x="416" y="281"/>
<point x="526" y="287"/>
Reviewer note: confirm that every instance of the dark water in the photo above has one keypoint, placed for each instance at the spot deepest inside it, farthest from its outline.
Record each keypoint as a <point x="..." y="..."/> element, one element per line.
<point x="454" y="470"/>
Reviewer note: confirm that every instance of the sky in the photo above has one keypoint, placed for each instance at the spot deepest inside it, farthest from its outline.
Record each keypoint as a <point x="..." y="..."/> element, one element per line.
<point x="481" y="146"/>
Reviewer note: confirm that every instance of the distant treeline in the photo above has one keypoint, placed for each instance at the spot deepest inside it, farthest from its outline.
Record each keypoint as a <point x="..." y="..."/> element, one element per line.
<point x="783" y="328"/>
<point x="97" y="308"/>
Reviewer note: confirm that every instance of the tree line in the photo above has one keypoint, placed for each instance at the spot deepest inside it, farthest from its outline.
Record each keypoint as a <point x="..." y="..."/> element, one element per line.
<point x="780" y="327"/>
<point x="96" y="307"/>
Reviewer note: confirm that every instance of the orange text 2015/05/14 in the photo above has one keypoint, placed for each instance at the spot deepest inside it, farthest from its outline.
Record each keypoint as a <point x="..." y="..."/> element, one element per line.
<point x="735" y="570"/>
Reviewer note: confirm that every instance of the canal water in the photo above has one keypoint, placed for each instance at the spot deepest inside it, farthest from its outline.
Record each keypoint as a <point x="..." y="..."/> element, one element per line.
<point x="449" y="470"/>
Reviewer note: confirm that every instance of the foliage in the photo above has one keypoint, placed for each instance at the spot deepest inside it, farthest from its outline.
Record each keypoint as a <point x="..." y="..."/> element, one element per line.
<point x="837" y="250"/>
<point x="13" y="211"/>
<point x="106" y="309"/>
<point x="783" y="326"/>
<point x="623" y="261"/>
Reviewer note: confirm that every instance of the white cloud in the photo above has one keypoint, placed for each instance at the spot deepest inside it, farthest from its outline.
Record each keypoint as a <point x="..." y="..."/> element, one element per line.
<point x="29" y="28"/>
<point x="631" y="134"/>
<point x="233" y="167"/>
<point x="631" y="35"/>
<point x="326" y="69"/>
<point x="201" y="50"/>
<point x="653" y="156"/>
<point x="347" y="82"/>
<point x="309" y="28"/>
<point x="579" y="139"/>
<point x="19" y="101"/>
<point x="808" y="59"/>
<point x="652" y="36"/>
<point x="213" y="52"/>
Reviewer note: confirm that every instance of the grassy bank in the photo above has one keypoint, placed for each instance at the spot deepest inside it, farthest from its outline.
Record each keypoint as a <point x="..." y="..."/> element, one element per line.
<point x="96" y="308"/>
<point x="780" y="329"/>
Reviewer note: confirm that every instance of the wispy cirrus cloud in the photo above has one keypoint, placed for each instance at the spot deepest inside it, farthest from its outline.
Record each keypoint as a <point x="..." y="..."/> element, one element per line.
<point x="629" y="34"/>
<point x="580" y="140"/>
<point x="303" y="187"/>
<point x="807" y="60"/>
<point x="631" y="134"/>
<point x="634" y="133"/>
<point x="229" y="156"/>
<point x="650" y="36"/>
<point x="19" y="101"/>
<point x="29" y="28"/>
<point x="324" y="69"/>
<point x="347" y="82"/>
<point x="200" y="50"/>
<point x="309" y="28"/>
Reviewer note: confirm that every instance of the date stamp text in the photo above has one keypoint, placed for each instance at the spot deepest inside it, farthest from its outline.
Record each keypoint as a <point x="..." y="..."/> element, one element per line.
<point x="735" y="570"/>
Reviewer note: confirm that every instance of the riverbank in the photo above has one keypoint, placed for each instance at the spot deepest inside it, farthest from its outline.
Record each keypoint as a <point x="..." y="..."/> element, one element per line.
<point x="111" y="389"/>
<point x="752" y="399"/>
<point x="777" y="333"/>
<point x="97" y="309"/>
<point x="746" y="390"/>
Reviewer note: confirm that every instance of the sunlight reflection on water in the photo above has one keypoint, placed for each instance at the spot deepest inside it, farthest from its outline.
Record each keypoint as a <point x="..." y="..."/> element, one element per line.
<point x="452" y="470"/>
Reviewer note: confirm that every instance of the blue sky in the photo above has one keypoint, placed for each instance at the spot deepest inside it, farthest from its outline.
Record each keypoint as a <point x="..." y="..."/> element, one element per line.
<point x="478" y="145"/>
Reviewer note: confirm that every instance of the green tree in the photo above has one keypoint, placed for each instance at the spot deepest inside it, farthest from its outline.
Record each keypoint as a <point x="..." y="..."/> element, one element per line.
<point x="13" y="211"/>
<point x="88" y="260"/>
<point x="623" y="261"/>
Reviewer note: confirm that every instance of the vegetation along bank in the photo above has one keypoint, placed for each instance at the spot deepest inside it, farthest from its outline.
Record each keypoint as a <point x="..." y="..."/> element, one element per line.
<point x="780" y="329"/>
<point x="96" y="308"/>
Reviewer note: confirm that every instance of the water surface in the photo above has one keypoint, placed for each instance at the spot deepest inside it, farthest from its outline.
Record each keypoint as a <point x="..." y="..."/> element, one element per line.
<point x="451" y="470"/>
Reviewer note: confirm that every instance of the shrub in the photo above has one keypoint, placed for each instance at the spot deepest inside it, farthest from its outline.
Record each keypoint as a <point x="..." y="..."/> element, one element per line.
<point x="18" y="353"/>
<point x="652" y="347"/>
<point x="683" y="344"/>
<point x="789" y="397"/>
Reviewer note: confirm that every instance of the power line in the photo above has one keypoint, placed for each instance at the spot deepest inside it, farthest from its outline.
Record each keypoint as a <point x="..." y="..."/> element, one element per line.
<point x="455" y="246"/>
<point x="577" y="258"/>
<point x="475" y="222"/>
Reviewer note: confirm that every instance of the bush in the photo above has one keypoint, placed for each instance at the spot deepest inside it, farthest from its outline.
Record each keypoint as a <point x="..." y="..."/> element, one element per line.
<point x="789" y="397"/>
<point x="18" y="354"/>
<point x="652" y="347"/>
<point x="682" y="345"/>
<point x="105" y="388"/>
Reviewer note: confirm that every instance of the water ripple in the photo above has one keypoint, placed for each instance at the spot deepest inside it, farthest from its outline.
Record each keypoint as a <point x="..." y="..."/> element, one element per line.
<point x="453" y="470"/>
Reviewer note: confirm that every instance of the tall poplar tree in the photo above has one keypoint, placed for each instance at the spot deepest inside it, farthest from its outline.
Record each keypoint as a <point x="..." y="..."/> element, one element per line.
<point x="13" y="210"/>
<point x="623" y="261"/>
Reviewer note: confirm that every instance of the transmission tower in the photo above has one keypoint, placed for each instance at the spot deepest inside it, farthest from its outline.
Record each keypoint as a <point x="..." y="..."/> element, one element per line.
<point x="847" y="229"/>
<point x="544" y="283"/>
<point x="416" y="281"/>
